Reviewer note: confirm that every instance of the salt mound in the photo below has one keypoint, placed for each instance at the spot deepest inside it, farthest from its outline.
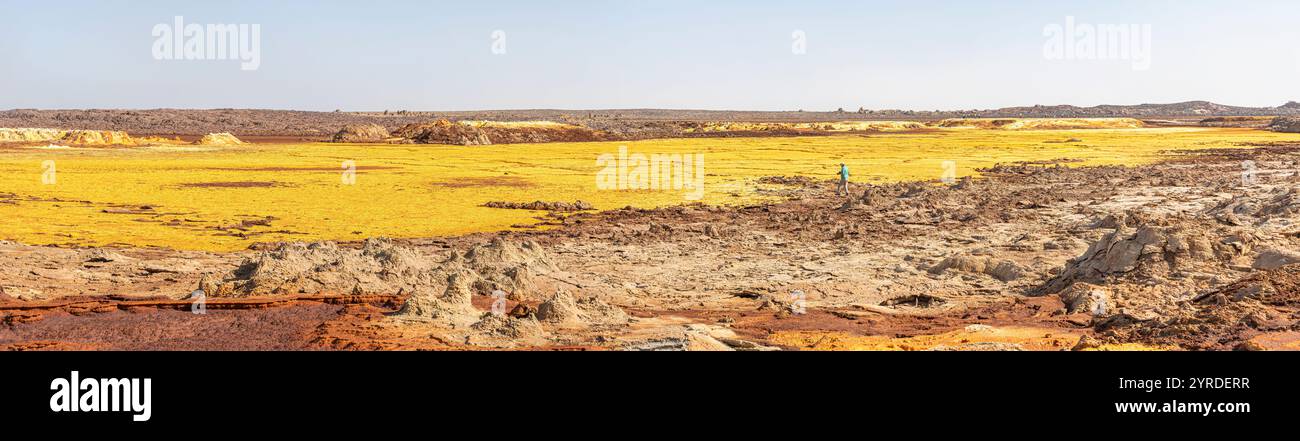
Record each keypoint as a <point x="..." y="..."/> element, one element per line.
<point x="506" y="327"/>
<point x="219" y="139"/>
<point x="379" y="267"/>
<point x="437" y="290"/>
<point x="362" y="133"/>
<point x="455" y="304"/>
<point x="1001" y="269"/>
<point x="79" y="137"/>
<point x="98" y="137"/>
<point x="507" y="266"/>
<point x="563" y="310"/>
<point x="30" y="135"/>
<point x="497" y="265"/>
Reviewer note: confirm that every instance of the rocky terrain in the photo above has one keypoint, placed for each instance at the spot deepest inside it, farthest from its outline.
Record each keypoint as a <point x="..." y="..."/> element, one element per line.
<point x="1186" y="254"/>
<point x="619" y="124"/>
<point x="487" y="133"/>
<point x="1289" y="124"/>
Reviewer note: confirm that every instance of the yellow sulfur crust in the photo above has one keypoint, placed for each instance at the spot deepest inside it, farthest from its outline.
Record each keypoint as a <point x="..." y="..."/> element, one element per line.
<point x="228" y="197"/>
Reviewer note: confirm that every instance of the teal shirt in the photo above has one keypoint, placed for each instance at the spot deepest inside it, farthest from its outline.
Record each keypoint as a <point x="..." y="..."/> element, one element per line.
<point x="844" y="173"/>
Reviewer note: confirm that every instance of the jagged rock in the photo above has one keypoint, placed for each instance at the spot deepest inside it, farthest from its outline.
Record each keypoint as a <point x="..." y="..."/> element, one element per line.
<point x="1149" y="253"/>
<point x="873" y="197"/>
<point x="1084" y="297"/>
<point x="1289" y="124"/>
<point x="1283" y="204"/>
<point x="443" y="132"/>
<point x="1086" y="342"/>
<point x="1274" y="259"/>
<point x="522" y="311"/>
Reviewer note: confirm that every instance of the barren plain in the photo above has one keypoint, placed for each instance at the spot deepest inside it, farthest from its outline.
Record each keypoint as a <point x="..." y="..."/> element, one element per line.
<point x="959" y="235"/>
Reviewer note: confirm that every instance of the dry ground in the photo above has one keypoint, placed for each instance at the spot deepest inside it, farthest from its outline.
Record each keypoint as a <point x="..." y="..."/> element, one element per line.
<point x="1176" y="255"/>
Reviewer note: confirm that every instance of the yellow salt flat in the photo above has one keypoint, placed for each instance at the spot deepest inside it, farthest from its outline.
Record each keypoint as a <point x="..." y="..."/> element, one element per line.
<point x="227" y="197"/>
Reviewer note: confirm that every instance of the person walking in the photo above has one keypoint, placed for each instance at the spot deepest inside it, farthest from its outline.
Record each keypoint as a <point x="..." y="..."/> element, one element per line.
<point x="844" y="180"/>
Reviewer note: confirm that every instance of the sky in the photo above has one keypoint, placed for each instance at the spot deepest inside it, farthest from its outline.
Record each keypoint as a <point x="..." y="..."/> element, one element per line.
<point x="723" y="55"/>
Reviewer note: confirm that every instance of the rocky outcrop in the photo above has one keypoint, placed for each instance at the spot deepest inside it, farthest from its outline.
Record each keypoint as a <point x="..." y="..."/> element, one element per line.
<point x="443" y="132"/>
<point x="1288" y="124"/>
<point x="1229" y="317"/>
<point x="1274" y="259"/>
<point x="492" y="132"/>
<point x="362" y="133"/>
<point x="1281" y="206"/>
<point x="1150" y="253"/>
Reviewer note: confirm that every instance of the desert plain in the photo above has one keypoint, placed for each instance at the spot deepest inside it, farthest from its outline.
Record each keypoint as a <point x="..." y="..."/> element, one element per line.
<point x="469" y="234"/>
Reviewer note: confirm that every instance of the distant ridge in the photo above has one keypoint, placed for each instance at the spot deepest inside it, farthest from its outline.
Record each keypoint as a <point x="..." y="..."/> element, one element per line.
<point x="1185" y="109"/>
<point x="246" y="122"/>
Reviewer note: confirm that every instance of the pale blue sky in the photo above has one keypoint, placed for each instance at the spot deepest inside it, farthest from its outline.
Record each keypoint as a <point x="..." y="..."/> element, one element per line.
<point x="436" y="55"/>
